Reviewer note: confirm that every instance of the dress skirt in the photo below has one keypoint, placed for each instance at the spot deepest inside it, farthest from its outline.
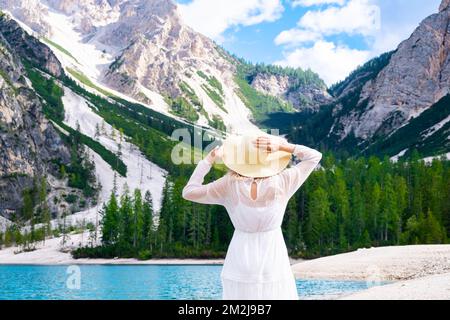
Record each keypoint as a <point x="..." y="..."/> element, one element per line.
<point x="275" y="290"/>
<point x="257" y="268"/>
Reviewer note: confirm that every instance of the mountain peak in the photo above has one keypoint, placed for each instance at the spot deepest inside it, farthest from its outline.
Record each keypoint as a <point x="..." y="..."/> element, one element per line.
<point x="444" y="5"/>
<point x="143" y="10"/>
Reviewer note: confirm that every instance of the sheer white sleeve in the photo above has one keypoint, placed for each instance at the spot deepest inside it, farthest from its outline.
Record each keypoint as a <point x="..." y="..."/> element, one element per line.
<point x="211" y="193"/>
<point x="292" y="178"/>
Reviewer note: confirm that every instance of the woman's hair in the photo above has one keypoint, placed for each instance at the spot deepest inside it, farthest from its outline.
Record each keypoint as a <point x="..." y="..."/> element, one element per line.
<point x="234" y="174"/>
<point x="238" y="176"/>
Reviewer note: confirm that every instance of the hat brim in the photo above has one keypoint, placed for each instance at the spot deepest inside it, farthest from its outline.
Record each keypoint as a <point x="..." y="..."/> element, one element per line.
<point x="261" y="166"/>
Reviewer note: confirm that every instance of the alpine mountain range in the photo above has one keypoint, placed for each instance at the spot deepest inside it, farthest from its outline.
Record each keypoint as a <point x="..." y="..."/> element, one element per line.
<point x="96" y="73"/>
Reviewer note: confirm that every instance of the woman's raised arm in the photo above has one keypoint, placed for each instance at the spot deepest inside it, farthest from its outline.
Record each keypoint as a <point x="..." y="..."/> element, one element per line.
<point x="294" y="177"/>
<point x="211" y="193"/>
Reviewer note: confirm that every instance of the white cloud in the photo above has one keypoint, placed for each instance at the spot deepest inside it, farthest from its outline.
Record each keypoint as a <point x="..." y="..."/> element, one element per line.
<point x="387" y="41"/>
<point x="397" y="27"/>
<point x="310" y="3"/>
<point x="332" y="62"/>
<point x="213" y="18"/>
<point x="296" y="36"/>
<point x="356" y="17"/>
<point x="306" y="46"/>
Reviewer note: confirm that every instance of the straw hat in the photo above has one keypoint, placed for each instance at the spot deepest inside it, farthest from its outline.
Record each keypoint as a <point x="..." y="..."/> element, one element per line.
<point x="243" y="157"/>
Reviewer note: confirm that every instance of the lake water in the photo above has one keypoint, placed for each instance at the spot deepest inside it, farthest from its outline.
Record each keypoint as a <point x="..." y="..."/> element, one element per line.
<point x="136" y="282"/>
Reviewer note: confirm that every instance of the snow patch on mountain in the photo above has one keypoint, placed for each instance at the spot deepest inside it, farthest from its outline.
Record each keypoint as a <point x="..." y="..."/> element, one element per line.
<point x="237" y="115"/>
<point x="158" y="102"/>
<point x="430" y="159"/>
<point x="141" y="173"/>
<point x="399" y="155"/>
<point x="4" y="223"/>
<point x="91" y="57"/>
<point x="430" y="131"/>
<point x="104" y="174"/>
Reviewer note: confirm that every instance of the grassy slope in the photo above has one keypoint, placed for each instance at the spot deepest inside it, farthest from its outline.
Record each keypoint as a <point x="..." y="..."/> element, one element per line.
<point x="86" y="81"/>
<point x="60" y="48"/>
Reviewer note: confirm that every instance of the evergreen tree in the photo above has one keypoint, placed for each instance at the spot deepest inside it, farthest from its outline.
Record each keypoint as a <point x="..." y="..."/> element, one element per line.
<point x="355" y="225"/>
<point x="165" y="228"/>
<point x="28" y="207"/>
<point x="138" y="218"/>
<point x="63" y="171"/>
<point x="126" y="227"/>
<point x="436" y="190"/>
<point x="432" y="232"/>
<point x="147" y="224"/>
<point x="28" y="213"/>
<point x="45" y="212"/>
<point x="64" y="229"/>
<point x="373" y="215"/>
<point x="390" y="218"/>
<point x="291" y="226"/>
<point x="103" y="128"/>
<point x="340" y="205"/>
<point x="401" y="190"/>
<point x="319" y="212"/>
<point x="110" y="221"/>
<point x="97" y="131"/>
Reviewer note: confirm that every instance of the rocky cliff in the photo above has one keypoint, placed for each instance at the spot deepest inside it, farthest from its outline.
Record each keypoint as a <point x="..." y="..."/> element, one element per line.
<point x="31" y="11"/>
<point x="305" y="97"/>
<point x="159" y="49"/>
<point x="29" y="47"/>
<point x="28" y="142"/>
<point x="416" y="78"/>
<point x="394" y="103"/>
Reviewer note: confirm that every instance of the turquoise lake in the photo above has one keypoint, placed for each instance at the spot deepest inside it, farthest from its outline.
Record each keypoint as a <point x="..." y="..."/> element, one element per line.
<point x="149" y="282"/>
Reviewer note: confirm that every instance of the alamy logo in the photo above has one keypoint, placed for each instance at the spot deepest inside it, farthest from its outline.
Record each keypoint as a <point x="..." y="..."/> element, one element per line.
<point x="194" y="145"/>
<point x="374" y="276"/>
<point x="74" y="278"/>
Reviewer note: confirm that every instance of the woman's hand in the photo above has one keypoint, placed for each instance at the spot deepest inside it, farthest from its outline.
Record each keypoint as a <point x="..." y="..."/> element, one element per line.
<point x="215" y="155"/>
<point x="270" y="145"/>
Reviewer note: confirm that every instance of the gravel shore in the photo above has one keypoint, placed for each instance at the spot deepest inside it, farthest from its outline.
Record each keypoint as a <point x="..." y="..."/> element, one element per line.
<point x="383" y="263"/>
<point x="420" y="272"/>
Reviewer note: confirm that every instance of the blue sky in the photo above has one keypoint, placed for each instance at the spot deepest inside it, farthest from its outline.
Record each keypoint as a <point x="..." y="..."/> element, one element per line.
<point x="331" y="37"/>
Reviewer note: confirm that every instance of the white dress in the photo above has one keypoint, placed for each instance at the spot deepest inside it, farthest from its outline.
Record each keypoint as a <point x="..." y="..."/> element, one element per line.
<point x="256" y="264"/>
